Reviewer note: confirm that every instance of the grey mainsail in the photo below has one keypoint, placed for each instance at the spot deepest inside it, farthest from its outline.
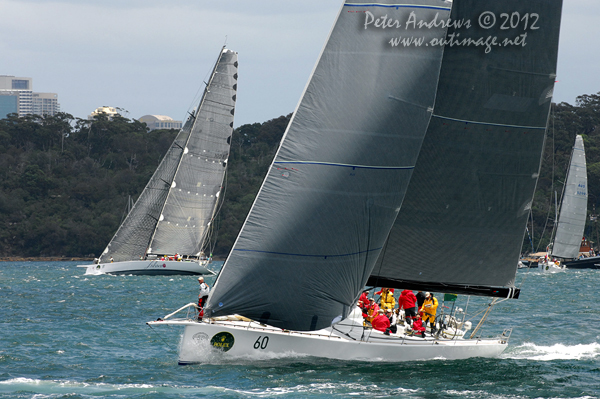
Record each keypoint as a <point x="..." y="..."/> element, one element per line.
<point x="573" y="208"/>
<point x="337" y="182"/>
<point x="462" y="222"/>
<point x="173" y="213"/>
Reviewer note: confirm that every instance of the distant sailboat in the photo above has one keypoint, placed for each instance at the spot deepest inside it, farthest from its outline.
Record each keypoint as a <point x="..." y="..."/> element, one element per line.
<point x="568" y="232"/>
<point x="168" y="230"/>
<point x="472" y="122"/>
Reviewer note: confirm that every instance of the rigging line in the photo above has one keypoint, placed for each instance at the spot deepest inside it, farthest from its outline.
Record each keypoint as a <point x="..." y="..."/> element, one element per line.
<point x="425" y="107"/>
<point x="489" y="123"/>
<point x="160" y="336"/>
<point x="551" y="189"/>
<point x="548" y="75"/>
<point x="343" y="333"/>
<point x="485" y="315"/>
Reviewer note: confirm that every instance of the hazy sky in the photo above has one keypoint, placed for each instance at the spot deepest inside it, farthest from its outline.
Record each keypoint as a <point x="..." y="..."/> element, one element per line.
<point x="151" y="56"/>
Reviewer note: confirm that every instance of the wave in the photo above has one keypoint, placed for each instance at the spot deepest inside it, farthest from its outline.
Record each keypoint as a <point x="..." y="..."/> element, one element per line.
<point x="61" y="388"/>
<point x="531" y="351"/>
<point x="56" y="387"/>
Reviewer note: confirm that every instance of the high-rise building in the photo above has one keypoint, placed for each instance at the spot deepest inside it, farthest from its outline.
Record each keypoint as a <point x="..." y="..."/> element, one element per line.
<point x="17" y="96"/>
<point x="45" y="103"/>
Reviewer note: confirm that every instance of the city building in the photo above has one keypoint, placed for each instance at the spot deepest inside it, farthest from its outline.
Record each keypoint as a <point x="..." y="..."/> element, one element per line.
<point x="45" y="103"/>
<point x="17" y="96"/>
<point x="109" y="111"/>
<point x="160" y="122"/>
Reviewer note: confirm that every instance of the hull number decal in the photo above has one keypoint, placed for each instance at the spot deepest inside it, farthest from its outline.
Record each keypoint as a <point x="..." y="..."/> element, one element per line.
<point x="223" y="341"/>
<point x="261" y="342"/>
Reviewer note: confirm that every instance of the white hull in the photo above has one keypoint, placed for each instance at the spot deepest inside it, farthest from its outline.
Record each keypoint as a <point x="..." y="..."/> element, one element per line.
<point x="551" y="267"/>
<point x="250" y="339"/>
<point x="149" y="267"/>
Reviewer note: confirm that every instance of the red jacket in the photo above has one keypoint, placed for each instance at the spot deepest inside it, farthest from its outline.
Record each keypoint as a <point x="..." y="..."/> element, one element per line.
<point x="380" y="322"/>
<point x="407" y="300"/>
<point x="364" y="299"/>
<point x="418" y="325"/>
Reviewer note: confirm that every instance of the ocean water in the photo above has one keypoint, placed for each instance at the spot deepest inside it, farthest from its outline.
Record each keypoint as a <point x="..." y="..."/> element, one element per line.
<point x="67" y="335"/>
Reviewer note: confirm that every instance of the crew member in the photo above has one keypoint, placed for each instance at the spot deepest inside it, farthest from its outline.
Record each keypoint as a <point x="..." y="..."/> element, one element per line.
<point x="429" y="310"/>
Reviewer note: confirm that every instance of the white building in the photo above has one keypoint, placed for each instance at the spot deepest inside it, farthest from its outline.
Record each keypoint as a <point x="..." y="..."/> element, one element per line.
<point x="17" y="96"/>
<point x="45" y="103"/>
<point x="109" y="111"/>
<point x="160" y="122"/>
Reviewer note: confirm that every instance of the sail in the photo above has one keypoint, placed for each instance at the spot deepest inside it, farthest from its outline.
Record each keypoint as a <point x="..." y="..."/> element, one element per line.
<point x="337" y="182"/>
<point x="573" y="208"/>
<point x="462" y="222"/>
<point x="181" y="196"/>
<point x="196" y="188"/>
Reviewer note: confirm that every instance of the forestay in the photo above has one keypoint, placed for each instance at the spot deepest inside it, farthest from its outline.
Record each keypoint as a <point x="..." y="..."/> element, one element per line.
<point x="573" y="208"/>
<point x="173" y="213"/>
<point x="462" y="223"/>
<point x="337" y="182"/>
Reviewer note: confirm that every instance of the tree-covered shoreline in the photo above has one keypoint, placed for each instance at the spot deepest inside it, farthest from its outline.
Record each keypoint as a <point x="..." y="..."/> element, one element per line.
<point x="65" y="182"/>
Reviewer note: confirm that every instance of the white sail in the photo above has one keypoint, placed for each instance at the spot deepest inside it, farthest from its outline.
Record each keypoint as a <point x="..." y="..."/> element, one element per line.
<point x="573" y="208"/>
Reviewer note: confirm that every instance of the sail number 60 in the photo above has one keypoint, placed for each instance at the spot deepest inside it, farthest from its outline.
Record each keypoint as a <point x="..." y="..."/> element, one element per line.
<point x="261" y="343"/>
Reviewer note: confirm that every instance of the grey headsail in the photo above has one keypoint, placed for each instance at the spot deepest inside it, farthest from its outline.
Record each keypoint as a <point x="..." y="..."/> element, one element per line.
<point x="462" y="223"/>
<point x="173" y="213"/>
<point x="573" y="208"/>
<point x="337" y="182"/>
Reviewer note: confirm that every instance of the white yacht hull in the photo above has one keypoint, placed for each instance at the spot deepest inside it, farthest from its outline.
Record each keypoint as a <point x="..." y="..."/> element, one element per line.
<point x="551" y="267"/>
<point x="149" y="267"/>
<point x="201" y="341"/>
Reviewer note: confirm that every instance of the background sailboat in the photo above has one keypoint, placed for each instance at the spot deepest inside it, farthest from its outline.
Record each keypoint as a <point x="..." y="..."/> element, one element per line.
<point x="371" y="111"/>
<point x="568" y="231"/>
<point x="172" y="217"/>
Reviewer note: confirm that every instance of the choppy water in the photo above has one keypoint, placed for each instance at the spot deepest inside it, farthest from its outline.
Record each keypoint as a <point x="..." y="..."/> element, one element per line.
<point x="66" y="335"/>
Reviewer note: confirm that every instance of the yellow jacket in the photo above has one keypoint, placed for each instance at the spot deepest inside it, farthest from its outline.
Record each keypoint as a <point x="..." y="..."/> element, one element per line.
<point x="387" y="299"/>
<point x="429" y="306"/>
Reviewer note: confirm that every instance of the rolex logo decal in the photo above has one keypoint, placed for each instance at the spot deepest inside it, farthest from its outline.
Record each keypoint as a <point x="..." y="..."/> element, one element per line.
<point x="223" y="341"/>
